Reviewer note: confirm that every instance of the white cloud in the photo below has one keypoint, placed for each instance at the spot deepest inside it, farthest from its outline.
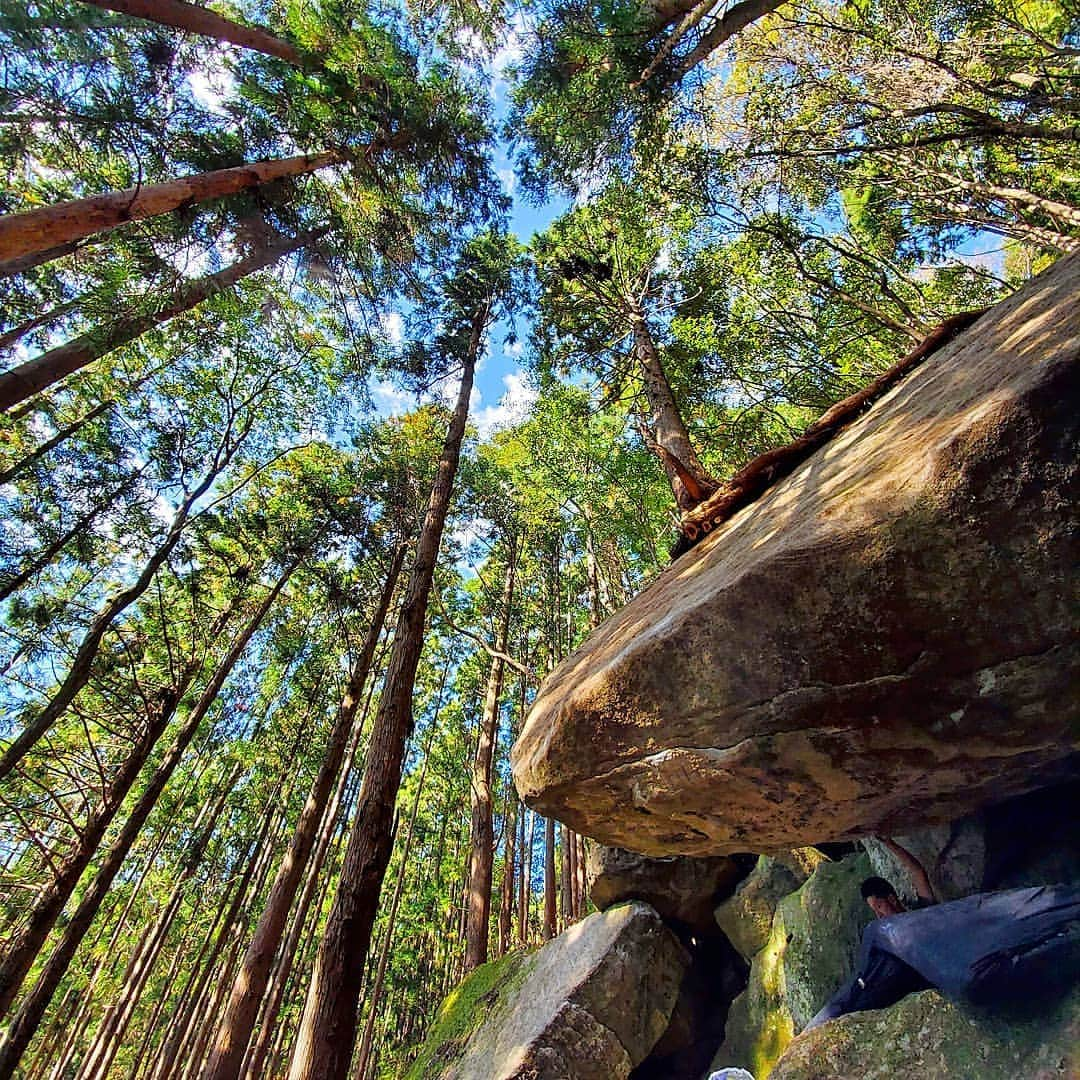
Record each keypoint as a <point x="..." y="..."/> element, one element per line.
<point x="393" y="326"/>
<point x="508" y="180"/>
<point x="512" y="408"/>
<point x="389" y="400"/>
<point x="513" y="349"/>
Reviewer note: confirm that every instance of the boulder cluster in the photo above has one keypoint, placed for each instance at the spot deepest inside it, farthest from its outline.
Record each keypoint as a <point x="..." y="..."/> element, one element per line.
<point x="884" y="643"/>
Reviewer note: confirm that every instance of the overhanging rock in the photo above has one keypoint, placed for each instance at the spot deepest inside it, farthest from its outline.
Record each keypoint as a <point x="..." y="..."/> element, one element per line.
<point x="886" y="638"/>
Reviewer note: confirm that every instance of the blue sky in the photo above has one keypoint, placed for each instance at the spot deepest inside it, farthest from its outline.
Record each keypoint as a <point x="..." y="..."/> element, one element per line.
<point x="502" y="394"/>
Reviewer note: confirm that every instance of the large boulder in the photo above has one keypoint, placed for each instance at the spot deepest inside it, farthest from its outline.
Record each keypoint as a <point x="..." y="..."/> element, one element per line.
<point x="884" y="640"/>
<point x="680" y="889"/>
<point x="812" y="949"/>
<point x="589" y="1005"/>
<point x="927" y="1036"/>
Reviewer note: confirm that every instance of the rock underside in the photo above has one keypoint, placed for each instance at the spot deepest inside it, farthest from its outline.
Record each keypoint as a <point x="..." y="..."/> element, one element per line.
<point x="886" y="639"/>
<point x="681" y="890"/>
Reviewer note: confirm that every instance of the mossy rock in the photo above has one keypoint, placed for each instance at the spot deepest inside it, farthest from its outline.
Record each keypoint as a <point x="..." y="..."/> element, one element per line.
<point x="746" y="917"/>
<point x="812" y="949"/>
<point x="589" y="1005"/>
<point x="463" y="1010"/>
<point x="927" y="1036"/>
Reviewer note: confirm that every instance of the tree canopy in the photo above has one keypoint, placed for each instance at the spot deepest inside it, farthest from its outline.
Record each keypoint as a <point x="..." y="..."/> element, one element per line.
<point x="359" y="360"/>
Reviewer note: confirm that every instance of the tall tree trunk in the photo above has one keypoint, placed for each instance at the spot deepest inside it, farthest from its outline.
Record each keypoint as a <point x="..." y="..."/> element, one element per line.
<point x="734" y="19"/>
<point x="23" y="949"/>
<point x="528" y="824"/>
<point x="48" y="368"/>
<point x="205" y="23"/>
<point x="18" y="960"/>
<point x="328" y="1028"/>
<point x="38" y="230"/>
<point x="690" y="484"/>
<point x="77" y="1024"/>
<point x="550" y="915"/>
<point x="140" y="966"/>
<point x="482" y="850"/>
<point x="79" y="674"/>
<point x="250" y="985"/>
<point x="582" y="888"/>
<point x="10" y="337"/>
<point x="13" y="267"/>
<point x="253" y="1066"/>
<point x="506" y="903"/>
<point x="565" y="869"/>
<point x="375" y="994"/>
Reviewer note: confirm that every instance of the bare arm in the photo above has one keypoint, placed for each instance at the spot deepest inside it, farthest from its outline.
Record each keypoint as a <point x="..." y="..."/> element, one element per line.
<point x="915" y="868"/>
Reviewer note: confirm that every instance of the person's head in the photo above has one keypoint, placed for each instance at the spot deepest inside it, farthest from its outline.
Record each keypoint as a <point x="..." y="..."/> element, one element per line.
<point x="881" y="897"/>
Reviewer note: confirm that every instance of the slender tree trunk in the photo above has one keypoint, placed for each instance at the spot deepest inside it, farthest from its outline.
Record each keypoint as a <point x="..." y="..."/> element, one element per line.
<point x="46" y="556"/>
<point x="328" y="1028"/>
<point x="689" y="481"/>
<point x="52" y="443"/>
<point x="582" y="887"/>
<point x="250" y="985"/>
<point x="52" y="226"/>
<point x="20" y="954"/>
<point x="482" y="833"/>
<point x="253" y="1066"/>
<point x="112" y="1029"/>
<point x="565" y="869"/>
<point x="734" y="19"/>
<point x="79" y="674"/>
<point x="14" y="267"/>
<point x="204" y="1021"/>
<point x="506" y="904"/>
<point x="375" y="994"/>
<point x="48" y="368"/>
<point x="550" y="916"/>
<point x="17" y="961"/>
<point x="205" y="23"/>
<point x="525" y="892"/>
<point x="184" y="1018"/>
<point x="10" y="337"/>
<point x="76" y="1027"/>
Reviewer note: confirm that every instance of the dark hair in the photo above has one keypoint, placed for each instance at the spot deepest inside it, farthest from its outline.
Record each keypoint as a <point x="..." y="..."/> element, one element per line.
<point x="878" y="887"/>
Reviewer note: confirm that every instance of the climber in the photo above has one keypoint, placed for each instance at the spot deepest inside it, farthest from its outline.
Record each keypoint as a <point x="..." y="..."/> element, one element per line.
<point x="881" y="896"/>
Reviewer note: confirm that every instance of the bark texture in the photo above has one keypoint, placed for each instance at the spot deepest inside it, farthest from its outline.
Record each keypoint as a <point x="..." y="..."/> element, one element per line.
<point x="199" y="20"/>
<point x="328" y="1028"/>
<point x="251" y="980"/>
<point x="36" y="231"/>
<point x="48" y="368"/>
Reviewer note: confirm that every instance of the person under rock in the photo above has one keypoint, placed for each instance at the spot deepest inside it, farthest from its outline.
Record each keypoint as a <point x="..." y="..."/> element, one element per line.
<point x="988" y="949"/>
<point x="882" y="897"/>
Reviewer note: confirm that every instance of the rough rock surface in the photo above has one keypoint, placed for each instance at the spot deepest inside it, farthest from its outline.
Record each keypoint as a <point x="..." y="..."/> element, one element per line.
<point x="812" y="949"/>
<point x="927" y="1036"/>
<point x="679" y="888"/>
<point x="589" y="1005"/>
<point x="746" y="917"/>
<point x="886" y="639"/>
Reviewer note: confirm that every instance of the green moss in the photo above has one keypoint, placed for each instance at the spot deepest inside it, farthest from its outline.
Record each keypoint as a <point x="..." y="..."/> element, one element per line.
<point x="463" y="1010"/>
